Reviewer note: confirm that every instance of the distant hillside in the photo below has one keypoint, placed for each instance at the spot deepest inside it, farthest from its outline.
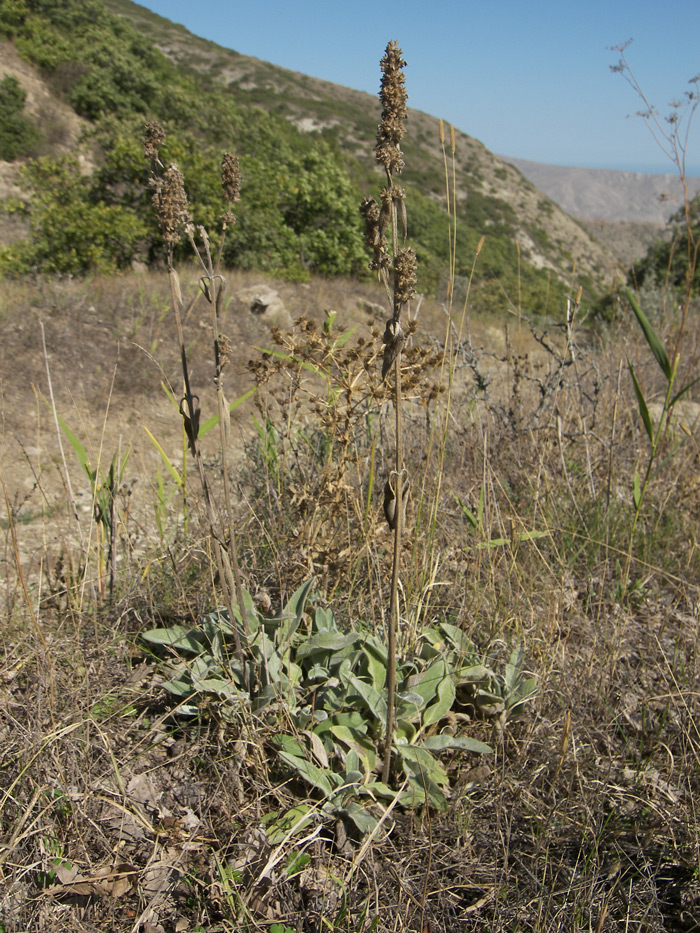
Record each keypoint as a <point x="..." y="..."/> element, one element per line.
<point x="601" y="194"/>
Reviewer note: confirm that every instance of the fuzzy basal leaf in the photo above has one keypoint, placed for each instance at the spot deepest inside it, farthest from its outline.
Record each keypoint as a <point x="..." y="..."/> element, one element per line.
<point x="409" y="704"/>
<point x="322" y="780"/>
<point x="278" y="826"/>
<point x="439" y="743"/>
<point x="472" y="675"/>
<point x="425" y="774"/>
<point x="359" y="746"/>
<point x="375" y="657"/>
<point x="426" y="683"/>
<point x="361" y="817"/>
<point x="324" y="642"/>
<point x="181" y="637"/>
<point x="297" y="602"/>
<point x="443" y="704"/>
<point x="289" y="744"/>
<point x="179" y="687"/>
<point x="324" y="620"/>
<point x="218" y="686"/>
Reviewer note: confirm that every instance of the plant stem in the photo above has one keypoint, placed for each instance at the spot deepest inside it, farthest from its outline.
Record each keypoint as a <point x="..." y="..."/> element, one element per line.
<point x="224" y="422"/>
<point x="191" y="417"/>
<point x="394" y="607"/>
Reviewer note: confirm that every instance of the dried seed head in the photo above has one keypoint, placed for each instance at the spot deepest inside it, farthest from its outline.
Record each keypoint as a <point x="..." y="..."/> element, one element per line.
<point x="170" y="202"/>
<point x="231" y="177"/>
<point x="374" y="237"/>
<point x="394" y="113"/>
<point x="153" y="138"/>
<point x="231" y="185"/>
<point x="405" y="273"/>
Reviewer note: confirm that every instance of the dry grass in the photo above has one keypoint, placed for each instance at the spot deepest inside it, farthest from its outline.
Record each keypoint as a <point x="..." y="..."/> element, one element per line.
<point x="584" y="819"/>
<point x="119" y="812"/>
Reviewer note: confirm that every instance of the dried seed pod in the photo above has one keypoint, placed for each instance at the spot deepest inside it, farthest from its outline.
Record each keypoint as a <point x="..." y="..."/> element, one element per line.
<point x="393" y="343"/>
<point x="190" y="415"/>
<point x="403" y="218"/>
<point x="391" y="496"/>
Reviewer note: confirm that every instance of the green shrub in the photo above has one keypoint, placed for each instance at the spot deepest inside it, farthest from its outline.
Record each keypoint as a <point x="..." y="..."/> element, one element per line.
<point x="72" y="229"/>
<point x="669" y="261"/>
<point x="18" y="137"/>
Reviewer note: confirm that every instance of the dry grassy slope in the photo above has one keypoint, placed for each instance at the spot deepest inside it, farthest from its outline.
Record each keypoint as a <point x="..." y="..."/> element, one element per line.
<point x="628" y="240"/>
<point x="56" y="119"/>
<point x="60" y="124"/>
<point x="313" y="104"/>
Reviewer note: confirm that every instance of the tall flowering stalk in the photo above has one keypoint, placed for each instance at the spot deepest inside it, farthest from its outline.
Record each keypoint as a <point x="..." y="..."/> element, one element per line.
<point x="174" y="218"/>
<point x="397" y="270"/>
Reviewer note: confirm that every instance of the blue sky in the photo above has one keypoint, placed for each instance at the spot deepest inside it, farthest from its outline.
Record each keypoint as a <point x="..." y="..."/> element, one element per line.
<point x="528" y="79"/>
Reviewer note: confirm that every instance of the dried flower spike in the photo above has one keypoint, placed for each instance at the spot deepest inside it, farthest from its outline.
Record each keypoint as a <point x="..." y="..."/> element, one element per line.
<point x="405" y="275"/>
<point x="153" y="139"/>
<point x="394" y="113"/>
<point x="231" y="177"/>
<point x="170" y="202"/>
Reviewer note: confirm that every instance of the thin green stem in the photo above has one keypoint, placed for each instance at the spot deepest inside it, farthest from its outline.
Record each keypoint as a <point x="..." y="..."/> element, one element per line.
<point x="655" y="443"/>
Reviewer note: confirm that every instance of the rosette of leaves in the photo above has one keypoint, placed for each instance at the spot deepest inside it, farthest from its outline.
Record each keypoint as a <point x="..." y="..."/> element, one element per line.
<point x="331" y="684"/>
<point x="200" y="662"/>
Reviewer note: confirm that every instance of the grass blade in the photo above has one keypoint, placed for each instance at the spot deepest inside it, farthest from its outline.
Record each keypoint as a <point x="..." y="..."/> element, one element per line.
<point x="641" y="401"/>
<point x="652" y="338"/>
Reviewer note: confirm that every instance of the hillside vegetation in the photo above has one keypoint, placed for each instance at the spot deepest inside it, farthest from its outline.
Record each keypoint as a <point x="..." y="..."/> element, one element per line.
<point x="298" y="212"/>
